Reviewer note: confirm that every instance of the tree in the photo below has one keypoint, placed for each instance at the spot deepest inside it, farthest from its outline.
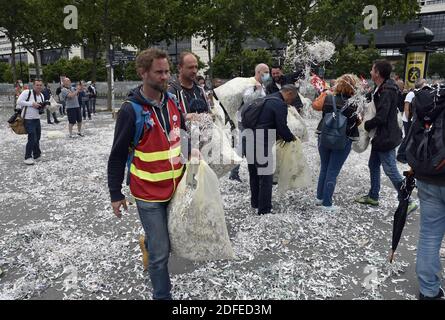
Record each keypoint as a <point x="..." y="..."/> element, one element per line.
<point x="45" y="30"/>
<point x="225" y="65"/>
<point x="11" y="21"/>
<point x="351" y="59"/>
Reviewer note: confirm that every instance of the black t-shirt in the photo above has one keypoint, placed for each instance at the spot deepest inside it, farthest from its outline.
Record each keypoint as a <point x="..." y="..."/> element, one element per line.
<point x="195" y="100"/>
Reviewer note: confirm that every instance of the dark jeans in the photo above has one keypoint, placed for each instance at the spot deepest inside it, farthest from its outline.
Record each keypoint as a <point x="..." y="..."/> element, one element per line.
<point x="388" y="161"/>
<point x="153" y="217"/>
<point x="93" y="105"/>
<point x="86" y="109"/>
<point x="260" y="190"/>
<point x="34" y="131"/>
<point x="331" y="163"/>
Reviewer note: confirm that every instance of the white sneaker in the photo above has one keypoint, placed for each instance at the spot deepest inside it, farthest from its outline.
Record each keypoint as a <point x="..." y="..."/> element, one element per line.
<point x="318" y="202"/>
<point x="29" y="161"/>
<point x="38" y="159"/>
<point x="330" y="209"/>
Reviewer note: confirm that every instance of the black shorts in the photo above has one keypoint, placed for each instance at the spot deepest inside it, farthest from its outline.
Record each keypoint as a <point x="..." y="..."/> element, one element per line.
<point x="74" y="115"/>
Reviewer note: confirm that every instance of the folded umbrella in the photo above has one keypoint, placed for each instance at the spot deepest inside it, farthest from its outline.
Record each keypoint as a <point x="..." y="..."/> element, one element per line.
<point x="408" y="185"/>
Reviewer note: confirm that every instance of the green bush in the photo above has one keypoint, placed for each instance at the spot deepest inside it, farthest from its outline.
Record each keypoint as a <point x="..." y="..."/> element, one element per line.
<point x="3" y="67"/>
<point x="351" y="59"/>
<point x="228" y="65"/>
<point x="76" y="69"/>
<point x="21" y="70"/>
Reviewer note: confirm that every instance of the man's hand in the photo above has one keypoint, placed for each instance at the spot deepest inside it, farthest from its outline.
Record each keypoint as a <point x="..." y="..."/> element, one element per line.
<point x="191" y="116"/>
<point x="117" y="207"/>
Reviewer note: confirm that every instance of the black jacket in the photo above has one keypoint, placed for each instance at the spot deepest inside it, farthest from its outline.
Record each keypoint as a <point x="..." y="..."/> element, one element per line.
<point x="349" y="112"/>
<point x="388" y="133"/>
<point x="274" y="116"/>
<point x="123" y="138"/>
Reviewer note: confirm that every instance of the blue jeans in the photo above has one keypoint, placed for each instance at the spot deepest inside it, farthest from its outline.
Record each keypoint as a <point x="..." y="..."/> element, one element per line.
<point x="432" y="230"/>
<point x="331" y="163"/>
<point x="153" y="217"/>
<point x="388" y="161"/>
<point x="93" y="105"/>
<point x="86" y="109"/>
<point x="34" y="130"/>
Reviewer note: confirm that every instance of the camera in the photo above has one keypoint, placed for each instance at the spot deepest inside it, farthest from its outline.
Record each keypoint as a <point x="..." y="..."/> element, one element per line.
<point x="42" y="106"/>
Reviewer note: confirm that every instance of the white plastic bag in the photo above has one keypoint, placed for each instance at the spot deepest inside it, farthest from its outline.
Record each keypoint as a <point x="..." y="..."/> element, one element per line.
<point x="292" y="171"/>
<point x="218" y="152"/>
<point x="297" y="125"/>
<point x="230" y="94"/>
<point x="196" y="221"/>
<point x="218" y="112"/>
<point x="365" y="137"/>
<point x="54" y="107"/>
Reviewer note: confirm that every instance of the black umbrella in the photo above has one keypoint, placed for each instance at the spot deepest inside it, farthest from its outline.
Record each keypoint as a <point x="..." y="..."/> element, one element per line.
<point x="408" y="185"/>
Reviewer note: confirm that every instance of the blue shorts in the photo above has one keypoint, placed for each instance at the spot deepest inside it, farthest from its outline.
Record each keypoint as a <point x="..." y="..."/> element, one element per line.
<point x="74" y="115"/>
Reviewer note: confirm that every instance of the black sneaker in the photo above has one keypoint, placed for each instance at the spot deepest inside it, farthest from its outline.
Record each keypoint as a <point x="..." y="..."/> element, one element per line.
<point x="439" y="296"/>
<point x="80" y="134"/>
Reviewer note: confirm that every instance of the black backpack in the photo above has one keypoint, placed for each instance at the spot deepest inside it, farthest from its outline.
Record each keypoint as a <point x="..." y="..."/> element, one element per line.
<point x="333" y="131"/>
<point x="250" y="114"/>
<point x="425" y="150"/>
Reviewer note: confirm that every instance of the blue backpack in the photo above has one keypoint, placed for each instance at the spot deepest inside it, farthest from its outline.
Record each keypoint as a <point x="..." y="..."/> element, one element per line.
<point x="142" y="117"/>
<point x="333" y="132"/>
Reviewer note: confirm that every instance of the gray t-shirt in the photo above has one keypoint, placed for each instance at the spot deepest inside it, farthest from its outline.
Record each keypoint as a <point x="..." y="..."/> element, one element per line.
<point x="70" y="103"/>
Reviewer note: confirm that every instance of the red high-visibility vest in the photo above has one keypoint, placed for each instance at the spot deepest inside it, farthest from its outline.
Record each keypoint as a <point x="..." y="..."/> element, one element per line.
<point x="157" y="169"/>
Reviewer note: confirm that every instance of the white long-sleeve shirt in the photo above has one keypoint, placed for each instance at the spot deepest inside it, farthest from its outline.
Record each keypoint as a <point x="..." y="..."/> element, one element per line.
<point x="31" y="112"/>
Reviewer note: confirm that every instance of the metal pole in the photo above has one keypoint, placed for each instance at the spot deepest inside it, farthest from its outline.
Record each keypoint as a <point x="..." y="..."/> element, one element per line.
<point x="112" y="86"/>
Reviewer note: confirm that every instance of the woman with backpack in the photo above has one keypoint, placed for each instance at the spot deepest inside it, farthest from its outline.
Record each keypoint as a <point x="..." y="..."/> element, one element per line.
<point x="336" y="131"/>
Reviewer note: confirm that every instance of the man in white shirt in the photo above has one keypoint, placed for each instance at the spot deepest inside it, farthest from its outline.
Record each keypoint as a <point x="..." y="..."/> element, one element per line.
<point x="262" y="76"/>
<point x="30" y="102"/>
<point x="407" y="114"/>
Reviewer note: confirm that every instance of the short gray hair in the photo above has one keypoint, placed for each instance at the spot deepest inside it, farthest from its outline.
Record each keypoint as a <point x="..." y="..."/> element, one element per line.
<point x="290" y="88"/>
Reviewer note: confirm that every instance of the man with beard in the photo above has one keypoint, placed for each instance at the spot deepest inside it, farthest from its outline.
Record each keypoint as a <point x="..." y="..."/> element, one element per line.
<point x="279" y="80"/>
<point x="155" y="163"/>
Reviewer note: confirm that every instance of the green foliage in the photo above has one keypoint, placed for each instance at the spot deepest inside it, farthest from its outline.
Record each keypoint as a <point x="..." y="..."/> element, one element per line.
<point x="21" y="71"/>
<point x="3" y="67"/>
<point x="76" y="69"/>
<point x="436" y="65"/>
<point x="351" y="59"/>
<point x="130" y="72"/>
<point x="399" y="67"/>
<point x="228" y="65"/>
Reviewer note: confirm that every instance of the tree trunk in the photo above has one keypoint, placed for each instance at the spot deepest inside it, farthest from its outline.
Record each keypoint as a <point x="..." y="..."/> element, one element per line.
<point x="108" y="50"/>
<point x="109" y="75"/>
<point x="37" y="62"/>
<point x="209" y="51"/>
<point x="13" y="66"/>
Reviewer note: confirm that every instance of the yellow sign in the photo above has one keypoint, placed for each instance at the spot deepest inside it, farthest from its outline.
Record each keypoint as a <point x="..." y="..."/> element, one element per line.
<point x="415" y="68"/>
